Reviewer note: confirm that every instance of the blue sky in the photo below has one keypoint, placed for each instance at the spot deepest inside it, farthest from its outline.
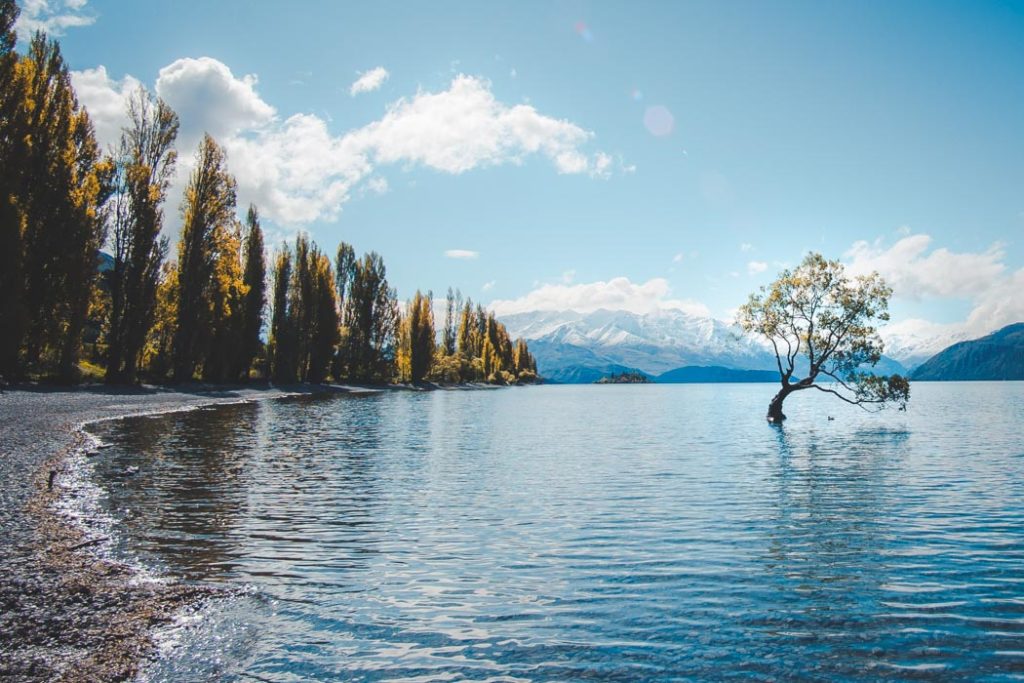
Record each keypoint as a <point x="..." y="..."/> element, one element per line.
<point x="886" y="134"/>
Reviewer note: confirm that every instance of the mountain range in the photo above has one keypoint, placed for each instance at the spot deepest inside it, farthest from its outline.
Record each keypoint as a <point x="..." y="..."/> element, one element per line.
<point x="572" y="347"/>
<point x="998" y="356"/>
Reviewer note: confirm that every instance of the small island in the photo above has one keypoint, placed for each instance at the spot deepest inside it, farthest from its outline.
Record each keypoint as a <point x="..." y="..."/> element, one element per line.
<point x="632" y="377"/>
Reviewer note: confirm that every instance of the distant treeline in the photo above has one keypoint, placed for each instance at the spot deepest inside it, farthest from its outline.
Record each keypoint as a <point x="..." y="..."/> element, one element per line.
<point x="138" y="314"/>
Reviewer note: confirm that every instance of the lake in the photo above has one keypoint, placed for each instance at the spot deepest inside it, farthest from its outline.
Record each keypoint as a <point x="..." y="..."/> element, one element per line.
<point x="619" y="532"/>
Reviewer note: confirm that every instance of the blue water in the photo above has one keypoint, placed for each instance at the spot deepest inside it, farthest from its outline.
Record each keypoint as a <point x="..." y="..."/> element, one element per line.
<point x="617" y="533"/>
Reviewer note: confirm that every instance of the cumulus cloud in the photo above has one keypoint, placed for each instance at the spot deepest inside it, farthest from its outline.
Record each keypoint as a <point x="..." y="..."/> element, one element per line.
<point x="53" y="17"/>
<point x="369" y="81"/>
<point x="106" y="99"/>
<point x="755" y="267"/>
<point x="298" y="171"/>
<point x="915" y="271"/>
<point x="208" y="97"/>
<point x="465" y="127"/>
<point x="464" y="254"/>
<point x="616" y="294"/>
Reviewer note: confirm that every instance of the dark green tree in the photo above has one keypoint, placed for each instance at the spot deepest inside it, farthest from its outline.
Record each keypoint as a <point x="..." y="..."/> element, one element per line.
<point x="282" y="345"/>
<point x="144" y="167"/>
<point x="254" y="278"/>
<point x="12" y="309"/>
<point x="370" y="321"/>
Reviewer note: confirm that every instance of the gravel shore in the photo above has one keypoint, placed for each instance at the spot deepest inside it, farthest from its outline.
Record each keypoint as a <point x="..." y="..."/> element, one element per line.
<point x="66" y="613"/>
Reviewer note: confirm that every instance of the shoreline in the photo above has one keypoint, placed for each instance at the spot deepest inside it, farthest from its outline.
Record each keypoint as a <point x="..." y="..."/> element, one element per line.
<point x="67" y="612"/>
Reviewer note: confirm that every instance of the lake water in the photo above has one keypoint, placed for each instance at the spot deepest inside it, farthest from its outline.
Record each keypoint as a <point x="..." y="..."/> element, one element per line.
<point x="618" y="533"/>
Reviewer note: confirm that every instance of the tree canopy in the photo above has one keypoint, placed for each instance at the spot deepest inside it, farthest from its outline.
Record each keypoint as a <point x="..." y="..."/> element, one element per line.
<point x="820" y="323"/>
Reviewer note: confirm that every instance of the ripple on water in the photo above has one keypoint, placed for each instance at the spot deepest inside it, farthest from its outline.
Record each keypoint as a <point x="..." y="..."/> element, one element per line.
<point x="563" y="533"/>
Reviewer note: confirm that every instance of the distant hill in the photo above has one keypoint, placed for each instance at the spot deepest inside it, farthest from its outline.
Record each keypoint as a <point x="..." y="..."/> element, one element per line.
<point x="693" y="374"/>
<point x="580" y="348"/>
<point x="999" y="356"/>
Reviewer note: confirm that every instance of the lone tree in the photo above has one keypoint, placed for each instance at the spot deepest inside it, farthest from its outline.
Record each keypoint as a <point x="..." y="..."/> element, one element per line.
<point x="822" y="316"/>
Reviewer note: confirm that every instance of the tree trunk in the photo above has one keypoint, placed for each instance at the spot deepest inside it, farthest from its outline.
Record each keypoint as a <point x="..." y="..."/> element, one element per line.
<point x="775" y="414"/>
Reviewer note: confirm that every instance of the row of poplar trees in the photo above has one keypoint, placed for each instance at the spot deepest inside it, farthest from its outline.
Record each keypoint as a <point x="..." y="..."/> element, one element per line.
<point x="137" y="314"/>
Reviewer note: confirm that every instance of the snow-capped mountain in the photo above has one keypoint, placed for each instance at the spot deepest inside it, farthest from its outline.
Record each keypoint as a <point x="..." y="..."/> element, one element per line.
<point x="581" y="347"/>
<point x="912" y="345"/>
<point x="653" y="343"/>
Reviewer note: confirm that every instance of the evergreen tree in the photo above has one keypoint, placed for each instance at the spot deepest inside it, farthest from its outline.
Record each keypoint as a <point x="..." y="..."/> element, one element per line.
<point x="255" y="301"/>
<point x="144" y="166"/>
<point x="208" y="212"/>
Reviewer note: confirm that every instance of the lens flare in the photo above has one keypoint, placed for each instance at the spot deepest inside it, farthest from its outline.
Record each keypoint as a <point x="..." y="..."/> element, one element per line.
<point x="636" y="95"/>
<point x="659" y="121"/>
<point x="584" y="31"/>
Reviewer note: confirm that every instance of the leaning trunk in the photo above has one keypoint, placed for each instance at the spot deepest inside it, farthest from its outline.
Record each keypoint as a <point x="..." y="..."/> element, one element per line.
<point x="775" y="413"/>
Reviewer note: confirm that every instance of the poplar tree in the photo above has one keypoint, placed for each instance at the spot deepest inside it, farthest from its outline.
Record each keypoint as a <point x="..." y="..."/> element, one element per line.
<point x="60" y="185"/>
<point x="371" y="320"/>
<point x="281" y="353"/>
<point x="12" y="310"/>
<point x="323" y="335"/>
<point x="144" y="167"/>
<point x="450" y="334"/>
<point x="255" y="300"/>
<point x="420" y="341"/>
<point x="208" y="210"/>
<point x="226" y="306"/>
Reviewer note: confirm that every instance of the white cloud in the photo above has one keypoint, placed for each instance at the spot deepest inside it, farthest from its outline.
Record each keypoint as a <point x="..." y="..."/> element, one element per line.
<point x="297" y="171"/>
<point x="465" y="127"/>
<point x="487" y="286"/>
<point x="755" y="267"/>
<point x="568" y="276"/>
<point x="106" y="99"/>
<point x="209" y="98"/>
<point x="678" y="257"/>
<point x="369" y="81"/>
<point x="53" y="17"/>
<point x="465" y="254"/>
<point x="746" y="246"/>
<point x="915" y="271"/>
<point x="615" y="294"/>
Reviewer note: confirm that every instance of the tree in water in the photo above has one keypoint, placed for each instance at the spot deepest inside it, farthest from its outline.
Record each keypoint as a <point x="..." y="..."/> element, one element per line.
<point x="143" y="167"/>
<point x="818" y="314"/>
<point x="208" y="211"/>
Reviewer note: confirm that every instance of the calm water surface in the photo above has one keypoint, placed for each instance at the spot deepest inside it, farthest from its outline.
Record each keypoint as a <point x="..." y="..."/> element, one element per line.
<point x="586" y="533"/>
